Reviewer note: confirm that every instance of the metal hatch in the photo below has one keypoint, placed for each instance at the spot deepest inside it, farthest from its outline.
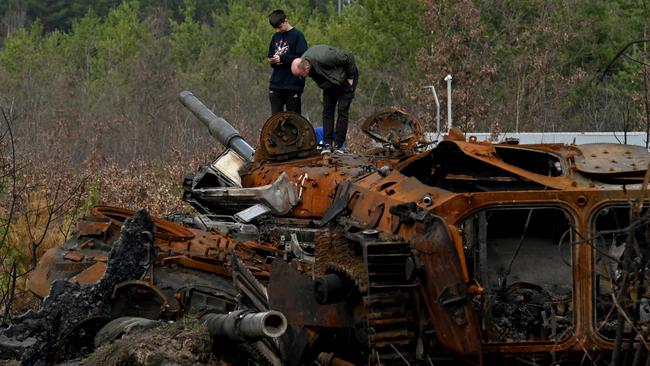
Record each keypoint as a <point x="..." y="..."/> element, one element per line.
<point x="287" y="135"/>
<point x="395" y="127"/>
<point x="612" y="159"/>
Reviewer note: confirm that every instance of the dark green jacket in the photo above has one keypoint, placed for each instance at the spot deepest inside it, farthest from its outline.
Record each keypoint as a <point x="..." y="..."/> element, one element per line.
<point x="332" y="66"/>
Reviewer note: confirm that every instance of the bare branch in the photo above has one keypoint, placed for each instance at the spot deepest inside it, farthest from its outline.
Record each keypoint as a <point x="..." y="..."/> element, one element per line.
<point x="10" y="216"/>
<point x="619" y="54"/>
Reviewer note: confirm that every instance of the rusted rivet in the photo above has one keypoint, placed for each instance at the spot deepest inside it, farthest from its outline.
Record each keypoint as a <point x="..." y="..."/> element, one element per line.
<point x="581" y="200"/>
<point x="427" y="200"/>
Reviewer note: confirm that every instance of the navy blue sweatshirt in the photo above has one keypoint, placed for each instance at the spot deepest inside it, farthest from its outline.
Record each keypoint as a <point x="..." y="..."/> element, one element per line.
<point x="289" y="45"/>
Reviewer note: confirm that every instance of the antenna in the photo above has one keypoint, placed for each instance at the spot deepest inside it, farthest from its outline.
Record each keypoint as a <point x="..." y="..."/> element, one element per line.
<point x="448" y="80"/>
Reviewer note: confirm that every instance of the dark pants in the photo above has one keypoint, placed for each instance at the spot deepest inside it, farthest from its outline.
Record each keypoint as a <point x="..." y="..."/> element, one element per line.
<point x="279" y="98"/>
<point x="341" y="95"/>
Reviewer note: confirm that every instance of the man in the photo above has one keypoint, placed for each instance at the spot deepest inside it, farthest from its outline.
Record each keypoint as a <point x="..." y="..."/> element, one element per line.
<point x="285" y="90"/>
<point x="336" y="73"/>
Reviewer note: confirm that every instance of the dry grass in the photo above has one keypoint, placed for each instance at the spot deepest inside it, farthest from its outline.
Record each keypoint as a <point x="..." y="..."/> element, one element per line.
<point x="52" y="195"/>
<point x="154" y="186"/>
<point x="36" y="225"/>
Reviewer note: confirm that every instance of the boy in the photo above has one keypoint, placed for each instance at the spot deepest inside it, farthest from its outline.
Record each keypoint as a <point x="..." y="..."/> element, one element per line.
<point x="288" y="43"/>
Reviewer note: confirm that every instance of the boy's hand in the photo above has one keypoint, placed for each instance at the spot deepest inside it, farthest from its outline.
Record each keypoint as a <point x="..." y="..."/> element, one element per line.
<point x="274" y="60"/>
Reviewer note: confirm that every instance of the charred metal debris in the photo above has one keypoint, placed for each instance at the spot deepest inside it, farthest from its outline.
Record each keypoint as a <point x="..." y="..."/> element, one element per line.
<point x="72" y="312"/>
<point x="466" y="252"/>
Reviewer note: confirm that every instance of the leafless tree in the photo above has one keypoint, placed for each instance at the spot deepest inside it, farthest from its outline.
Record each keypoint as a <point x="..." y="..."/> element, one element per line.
<point x="27" y="223"/>
<point x="8" y="187"/>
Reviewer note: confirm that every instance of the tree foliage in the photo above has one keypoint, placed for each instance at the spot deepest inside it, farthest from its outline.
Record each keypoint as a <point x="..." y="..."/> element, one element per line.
<point x="516" y="65"/>
<point x="536" y="66"/>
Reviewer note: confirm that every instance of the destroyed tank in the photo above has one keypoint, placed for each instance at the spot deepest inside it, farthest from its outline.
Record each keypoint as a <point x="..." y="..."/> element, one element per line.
<point x="464" y="252"/>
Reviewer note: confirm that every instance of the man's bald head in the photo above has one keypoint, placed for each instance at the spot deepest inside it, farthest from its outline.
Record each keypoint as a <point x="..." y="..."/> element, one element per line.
<point x="300" y="67"/>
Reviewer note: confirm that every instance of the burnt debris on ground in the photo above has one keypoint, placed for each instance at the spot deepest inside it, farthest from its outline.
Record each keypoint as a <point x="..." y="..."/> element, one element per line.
<point x="63" y="327"/>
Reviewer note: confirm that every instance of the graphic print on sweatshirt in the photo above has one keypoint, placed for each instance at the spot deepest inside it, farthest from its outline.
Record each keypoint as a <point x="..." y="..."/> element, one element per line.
<point x="281" y="47"/>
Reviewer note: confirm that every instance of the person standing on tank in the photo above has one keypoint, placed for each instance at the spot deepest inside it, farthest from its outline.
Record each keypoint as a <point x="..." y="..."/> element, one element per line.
<point x="288" y="43"/>
<point x="334" y="71"/>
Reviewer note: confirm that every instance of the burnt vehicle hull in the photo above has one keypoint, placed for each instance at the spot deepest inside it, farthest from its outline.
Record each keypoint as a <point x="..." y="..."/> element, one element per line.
<point x="468" y="252"/>
<point x="536" y="235"/>
<point x="191" y="272"/>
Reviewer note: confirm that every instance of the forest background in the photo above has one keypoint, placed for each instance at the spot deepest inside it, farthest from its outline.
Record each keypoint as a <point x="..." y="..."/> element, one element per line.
<point x="88" y="89"/>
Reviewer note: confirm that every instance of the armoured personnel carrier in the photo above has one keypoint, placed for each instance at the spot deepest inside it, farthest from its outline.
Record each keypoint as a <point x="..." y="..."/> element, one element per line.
<point x="467" y="252"/>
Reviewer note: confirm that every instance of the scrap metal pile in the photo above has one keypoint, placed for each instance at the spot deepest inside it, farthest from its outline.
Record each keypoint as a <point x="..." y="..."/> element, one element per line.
<point x="466" y="252"/>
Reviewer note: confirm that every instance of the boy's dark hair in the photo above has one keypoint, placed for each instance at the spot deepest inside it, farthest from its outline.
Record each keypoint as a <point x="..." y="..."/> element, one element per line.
<point x="277" y="17"/>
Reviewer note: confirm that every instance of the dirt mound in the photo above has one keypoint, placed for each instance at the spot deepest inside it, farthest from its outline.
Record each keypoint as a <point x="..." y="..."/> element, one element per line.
<point x="185" y="342"/>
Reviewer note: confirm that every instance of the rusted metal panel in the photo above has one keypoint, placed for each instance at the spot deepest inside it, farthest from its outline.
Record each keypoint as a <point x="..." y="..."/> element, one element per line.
<point x="85" y="228"/>
<point x="612" y="159"/>
<point x="73" y="256"/>
<point x="450" y="307"/>
<point x="316" y="178"/>
<point x="91" y="274"/>
<point x="164" y="230"/>
<point x="298" y="303"/>
<point x="196" y="264"/>
<point x="45" y="272"/>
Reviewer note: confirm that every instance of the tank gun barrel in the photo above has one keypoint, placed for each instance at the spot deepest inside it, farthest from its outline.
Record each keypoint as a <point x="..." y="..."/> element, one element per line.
<point x="242" y="325"/>
<point x="219" y="128"/>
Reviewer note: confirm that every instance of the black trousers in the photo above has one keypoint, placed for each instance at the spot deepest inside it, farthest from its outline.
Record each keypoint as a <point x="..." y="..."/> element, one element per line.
<point x="340" y="96"/>
<point x="280" y="98"/>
